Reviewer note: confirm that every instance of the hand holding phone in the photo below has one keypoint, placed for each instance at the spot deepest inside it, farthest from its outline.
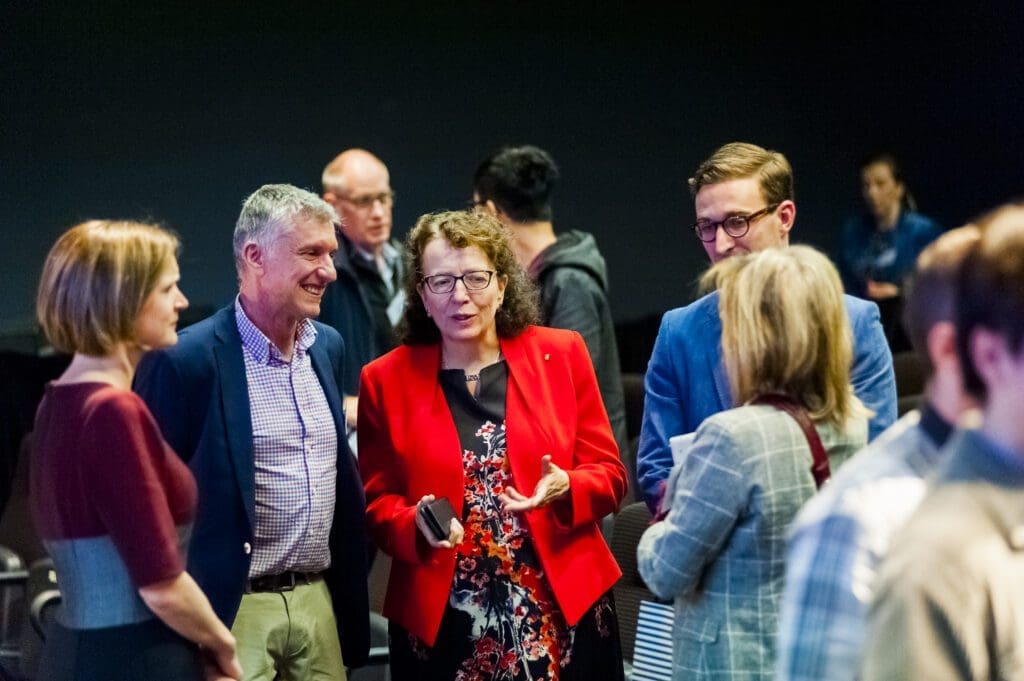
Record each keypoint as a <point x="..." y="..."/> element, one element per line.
<point x="435" y="519"/>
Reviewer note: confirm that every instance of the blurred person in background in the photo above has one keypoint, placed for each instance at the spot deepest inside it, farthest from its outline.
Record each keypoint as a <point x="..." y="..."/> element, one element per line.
<point x="841" y="535"/>
<point x="366" y="301"/>
<point x="950" y="597"/>
<point x="879" y="246"/>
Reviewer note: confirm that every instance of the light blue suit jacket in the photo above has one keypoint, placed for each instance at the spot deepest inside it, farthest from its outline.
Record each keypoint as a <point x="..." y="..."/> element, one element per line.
<point x="686" y="380"/>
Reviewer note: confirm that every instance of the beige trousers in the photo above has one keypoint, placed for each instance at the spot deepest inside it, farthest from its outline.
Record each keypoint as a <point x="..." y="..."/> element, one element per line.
<point x="289" y="636"/>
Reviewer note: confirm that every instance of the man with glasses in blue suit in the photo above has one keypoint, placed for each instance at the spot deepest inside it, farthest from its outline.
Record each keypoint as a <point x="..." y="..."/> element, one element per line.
<point x="743" y="197"/>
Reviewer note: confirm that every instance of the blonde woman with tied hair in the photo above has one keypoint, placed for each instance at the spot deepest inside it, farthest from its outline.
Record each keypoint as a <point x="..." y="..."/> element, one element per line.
<point x="719" y="553"/>
<point x="112" y="502"/>
<point x="785" y="330"/>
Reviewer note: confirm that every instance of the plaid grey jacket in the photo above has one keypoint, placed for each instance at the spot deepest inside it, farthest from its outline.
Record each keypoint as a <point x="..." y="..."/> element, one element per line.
<point x="721" y="551"/>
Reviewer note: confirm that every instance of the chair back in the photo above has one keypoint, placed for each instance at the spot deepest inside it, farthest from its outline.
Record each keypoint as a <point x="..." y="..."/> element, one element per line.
<point x="630" y="524"/>
<point x="43" y="601"/>
<point x="13" y="579"/>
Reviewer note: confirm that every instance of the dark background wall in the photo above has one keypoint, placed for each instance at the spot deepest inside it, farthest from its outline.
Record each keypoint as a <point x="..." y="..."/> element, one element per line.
<point x="176" y="113"/>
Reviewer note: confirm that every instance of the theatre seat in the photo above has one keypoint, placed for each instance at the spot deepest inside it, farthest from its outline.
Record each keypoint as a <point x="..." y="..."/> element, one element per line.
<point x="630" y="524"/>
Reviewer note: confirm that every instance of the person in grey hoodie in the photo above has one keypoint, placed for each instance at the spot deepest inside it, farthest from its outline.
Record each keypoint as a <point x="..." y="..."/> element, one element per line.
<point x="515" y="184"/>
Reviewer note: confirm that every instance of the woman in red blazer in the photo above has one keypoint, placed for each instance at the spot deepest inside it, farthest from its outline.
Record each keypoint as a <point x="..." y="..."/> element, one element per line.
<point x="504" y="420"/>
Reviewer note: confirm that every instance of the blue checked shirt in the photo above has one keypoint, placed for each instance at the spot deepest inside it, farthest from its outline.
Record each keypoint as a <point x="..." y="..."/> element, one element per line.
<point x="837" y="542"/>
<point x="295" y="450"/>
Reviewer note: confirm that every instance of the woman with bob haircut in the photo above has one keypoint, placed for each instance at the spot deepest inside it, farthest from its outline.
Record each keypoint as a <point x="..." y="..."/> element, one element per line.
<point x="501" y="423"/>
<point x="720" y="551"/>
<point x="112" y="503"/>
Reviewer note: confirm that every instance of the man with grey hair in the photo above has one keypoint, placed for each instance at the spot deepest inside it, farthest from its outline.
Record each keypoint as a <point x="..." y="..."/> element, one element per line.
<point x="251" y="399"/>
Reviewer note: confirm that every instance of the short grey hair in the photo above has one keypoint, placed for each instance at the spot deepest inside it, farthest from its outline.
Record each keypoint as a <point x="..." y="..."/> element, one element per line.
<point x="271" y="208"/>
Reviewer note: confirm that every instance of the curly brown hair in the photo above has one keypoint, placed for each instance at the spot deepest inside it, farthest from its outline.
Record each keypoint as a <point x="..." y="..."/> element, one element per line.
<point x="463" y="229"/>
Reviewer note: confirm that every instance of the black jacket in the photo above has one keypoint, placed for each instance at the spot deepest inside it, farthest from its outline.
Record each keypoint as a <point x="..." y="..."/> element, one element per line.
<point x="354" y="306"/>
<point x="573" y="282"/>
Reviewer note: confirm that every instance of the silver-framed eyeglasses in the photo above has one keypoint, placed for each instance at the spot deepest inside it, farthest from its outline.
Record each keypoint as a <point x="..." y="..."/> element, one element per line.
<point x="734" y="225"/>
<point x="367" y="200"/>
<point x="477" y="280"/>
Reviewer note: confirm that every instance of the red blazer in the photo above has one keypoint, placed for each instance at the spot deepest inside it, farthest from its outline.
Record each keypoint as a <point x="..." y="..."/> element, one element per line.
<point x="409" y="447"/>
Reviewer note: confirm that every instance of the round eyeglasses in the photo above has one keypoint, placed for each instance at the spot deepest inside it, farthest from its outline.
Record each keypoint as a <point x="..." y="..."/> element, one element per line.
<point x="367" y="200"/>
<point x="476" y="280"/>
<point x="734" y="225"/>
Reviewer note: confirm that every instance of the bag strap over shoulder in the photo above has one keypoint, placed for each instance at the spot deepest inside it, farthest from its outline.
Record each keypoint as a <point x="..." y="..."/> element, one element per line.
<point x="820" y="468"/>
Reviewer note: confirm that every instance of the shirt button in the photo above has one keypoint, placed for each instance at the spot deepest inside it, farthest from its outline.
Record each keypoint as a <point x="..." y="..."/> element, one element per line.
<point x="247" y="547"/>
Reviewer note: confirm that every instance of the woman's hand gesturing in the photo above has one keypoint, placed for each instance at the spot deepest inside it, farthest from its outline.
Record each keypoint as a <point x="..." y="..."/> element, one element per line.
<point x="553" y="484"/>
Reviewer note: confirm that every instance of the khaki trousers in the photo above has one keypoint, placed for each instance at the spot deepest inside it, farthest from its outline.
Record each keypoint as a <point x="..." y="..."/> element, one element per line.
<point x="289" y="635"/>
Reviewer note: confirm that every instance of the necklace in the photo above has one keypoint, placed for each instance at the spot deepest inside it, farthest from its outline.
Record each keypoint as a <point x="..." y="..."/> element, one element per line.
<point x="469" y="377"/>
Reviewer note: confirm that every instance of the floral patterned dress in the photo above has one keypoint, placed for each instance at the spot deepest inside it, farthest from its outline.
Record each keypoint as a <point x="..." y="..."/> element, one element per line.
<point x="501" y="621"/>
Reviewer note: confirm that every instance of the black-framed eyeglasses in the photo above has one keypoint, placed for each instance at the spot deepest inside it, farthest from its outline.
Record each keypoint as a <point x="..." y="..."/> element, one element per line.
<point x="734" y="225"/>
<point x="367" y="200"/>
<point x="476" y="280"/>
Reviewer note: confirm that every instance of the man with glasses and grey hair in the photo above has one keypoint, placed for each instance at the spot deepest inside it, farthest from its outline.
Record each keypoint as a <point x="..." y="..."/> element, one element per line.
<point x="367" y="300"/>
<point x="251" y="399"/>
<point x="743" y="197"/>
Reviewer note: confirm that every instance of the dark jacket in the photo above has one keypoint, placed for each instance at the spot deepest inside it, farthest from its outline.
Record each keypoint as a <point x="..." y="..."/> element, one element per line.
<point x="198" y="392"/>
<point x="868" y="253"/>
<point x="573" y="282"/>
<point x="355" y="306"/>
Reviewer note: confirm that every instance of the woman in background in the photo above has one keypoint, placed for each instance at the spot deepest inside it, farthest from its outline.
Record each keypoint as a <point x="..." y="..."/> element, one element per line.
<point x="719" y="553"/>
<point x="879" y="247"/>
<point x="112" y="503"/>
<point x="504" y="420"/>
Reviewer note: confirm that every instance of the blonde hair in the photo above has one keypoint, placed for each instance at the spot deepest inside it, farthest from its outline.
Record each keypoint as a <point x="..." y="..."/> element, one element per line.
<point x="785" y="330"/>
<point x="738" y="160"/>
<point x="95" y="281"/>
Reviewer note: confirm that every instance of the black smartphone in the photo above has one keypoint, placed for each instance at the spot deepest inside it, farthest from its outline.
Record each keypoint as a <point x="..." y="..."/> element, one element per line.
<point x="438" y="515"/>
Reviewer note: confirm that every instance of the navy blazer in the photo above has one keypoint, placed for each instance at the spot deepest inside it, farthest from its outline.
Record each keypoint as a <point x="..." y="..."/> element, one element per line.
<point x="198" y="392"/>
